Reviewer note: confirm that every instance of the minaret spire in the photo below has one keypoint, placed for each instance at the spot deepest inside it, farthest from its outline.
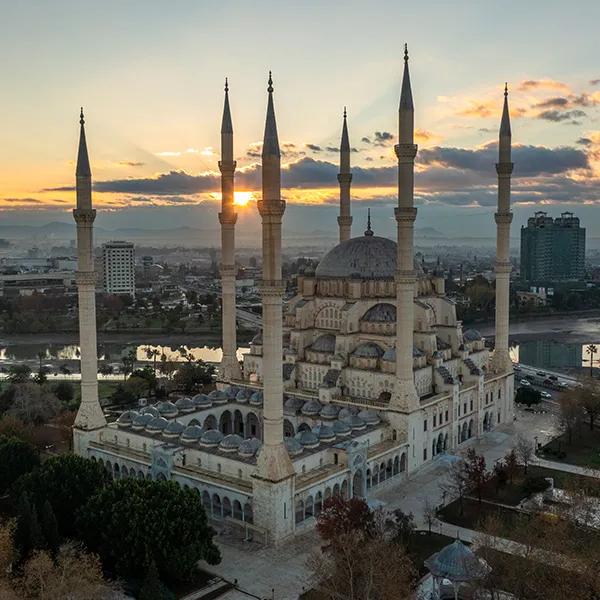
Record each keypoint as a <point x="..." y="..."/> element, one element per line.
<point x="405" y="396"/>
<point x="230" y="367"/>
<point x="345" y="179"/>
<point x="501" y="362"/>
<point x="273" y="480"/>
<point x="89" y="416"/>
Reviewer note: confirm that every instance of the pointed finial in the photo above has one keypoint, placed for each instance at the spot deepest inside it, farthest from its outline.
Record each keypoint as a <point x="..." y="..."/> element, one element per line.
<point x="505" y="89"/>
<point x="226" y="85"/>
<point x="405" y="52"/>
<point x="270" y="88"/>
<point x="344" y="112"/>
<point x="81" y="119"/>
<point x="368" y="231"/>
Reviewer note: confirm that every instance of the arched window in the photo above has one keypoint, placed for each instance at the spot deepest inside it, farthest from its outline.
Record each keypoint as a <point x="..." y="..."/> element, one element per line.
<point x="227" y="507"/>
<point x="299" y="511"/>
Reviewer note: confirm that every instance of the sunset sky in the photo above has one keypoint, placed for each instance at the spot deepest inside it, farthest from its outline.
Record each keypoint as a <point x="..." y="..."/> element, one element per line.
<point x="150" y="76"/>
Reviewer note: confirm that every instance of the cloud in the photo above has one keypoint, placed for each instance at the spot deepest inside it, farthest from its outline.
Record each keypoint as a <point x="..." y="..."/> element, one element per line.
<point x="382" y="138"/>
<point x="131" y="163"/>
<point x="172" y="153"/>
<point x="594" y="81"/>
<point x="551" y="84"/>
<point x="558" y="116"/>
<point x="33" y="201"/>
<point x="584" y="141"/>
<point x="313" y="147"/>
<point x="365" y="140"/>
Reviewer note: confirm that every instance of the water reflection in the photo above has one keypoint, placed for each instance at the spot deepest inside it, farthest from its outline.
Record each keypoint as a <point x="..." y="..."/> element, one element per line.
<point x="112" y="352"/>
<point x="551" y="354"/>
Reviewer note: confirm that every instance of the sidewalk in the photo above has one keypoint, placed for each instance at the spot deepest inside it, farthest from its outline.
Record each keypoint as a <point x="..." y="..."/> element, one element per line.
<point x="558" y="466"/>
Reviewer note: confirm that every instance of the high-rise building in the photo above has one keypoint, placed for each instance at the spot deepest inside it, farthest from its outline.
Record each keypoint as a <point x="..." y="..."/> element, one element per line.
<point x="118" y="267"/>
<point x="552" y="250"/>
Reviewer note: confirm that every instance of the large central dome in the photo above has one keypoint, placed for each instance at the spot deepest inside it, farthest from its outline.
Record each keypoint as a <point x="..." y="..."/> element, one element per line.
<point x="364" y="257"/>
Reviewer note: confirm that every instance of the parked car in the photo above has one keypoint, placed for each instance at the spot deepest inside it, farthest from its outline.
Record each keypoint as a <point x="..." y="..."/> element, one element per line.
<point x="524" y="382"/>
<point x="541" y="373"/>
<point x="530" y="378"/>
<point x="546" y="395"/>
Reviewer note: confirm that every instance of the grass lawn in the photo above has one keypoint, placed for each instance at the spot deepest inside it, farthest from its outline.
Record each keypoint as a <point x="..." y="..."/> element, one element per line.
<point x="584" y="451"/>
<point x="474" y="515"/>
<point x="423" y="544"/>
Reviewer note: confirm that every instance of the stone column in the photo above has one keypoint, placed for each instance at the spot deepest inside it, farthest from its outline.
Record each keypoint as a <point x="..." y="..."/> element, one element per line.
<point x="230" y="367"/>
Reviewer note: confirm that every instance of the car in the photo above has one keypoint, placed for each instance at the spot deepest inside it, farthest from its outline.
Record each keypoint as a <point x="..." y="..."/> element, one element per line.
<point x="553" y="377"/>
<point x="541" y="373"/>
<point x="524" y="382"/>
<point x="530" y="378"/>
<point x="546" y="395"/>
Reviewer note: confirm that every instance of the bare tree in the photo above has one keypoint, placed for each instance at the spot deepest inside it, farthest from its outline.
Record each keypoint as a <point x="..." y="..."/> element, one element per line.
<point x="571" y="413"/>
<point x="429" y="513"/>
<point x="588" y="395"/>
<point x="525" y="451"/>
<point x="456" y="482"/>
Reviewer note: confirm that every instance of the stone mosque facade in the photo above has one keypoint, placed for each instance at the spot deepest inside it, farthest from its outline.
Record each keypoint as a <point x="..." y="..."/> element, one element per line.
<point x="365" y="377"/>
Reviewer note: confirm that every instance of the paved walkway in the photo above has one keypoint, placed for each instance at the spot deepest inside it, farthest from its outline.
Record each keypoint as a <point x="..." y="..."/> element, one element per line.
<point x="261" y="570"/>
<point x="559" y="466"/>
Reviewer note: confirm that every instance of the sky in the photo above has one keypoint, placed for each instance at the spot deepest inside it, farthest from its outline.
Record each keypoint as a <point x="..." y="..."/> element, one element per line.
<point x="150" y="75"/>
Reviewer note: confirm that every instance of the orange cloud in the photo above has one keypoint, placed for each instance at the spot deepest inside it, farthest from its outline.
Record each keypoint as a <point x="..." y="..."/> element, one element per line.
<point x="549" y="84"/>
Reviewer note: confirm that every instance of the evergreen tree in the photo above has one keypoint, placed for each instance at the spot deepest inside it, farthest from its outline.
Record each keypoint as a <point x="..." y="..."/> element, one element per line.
<point x="50" y="528"/>
<point x="153" y="588"/>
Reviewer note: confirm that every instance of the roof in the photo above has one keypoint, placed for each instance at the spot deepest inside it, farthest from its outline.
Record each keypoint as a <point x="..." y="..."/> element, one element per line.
<point x="381" y="313"/>
<point x="457" y="562"/>
<point x="368" y="350"/>
<point x="324" y="343"/>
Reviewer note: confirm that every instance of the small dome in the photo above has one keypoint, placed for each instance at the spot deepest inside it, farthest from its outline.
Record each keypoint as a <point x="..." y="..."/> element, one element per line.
<point x="150" y="410"/>
<point x="355" y="422"/>
<point x="293" y="446"/>
<point x="324" y="343"/>
<point x="324" y="433"/>
<point x="167" y="409"/>
<point x="347" y="411"/>
<point x="243" y="395"/>
<point x="192" y="434"/>
<point x="230" y="443"/>
<point x="370" y="417"/>
<point x="211" y="438"/>
<point x="308" y="439"/>
<point x="173" y="429"/>
<point x="381" y="313"/>
<point x="294" y="403"/>
<point x="368" y="350"/>
<point x="156" y="424"/>
<point x="249" y="447"/>
<point x="218" y="397"/>
<point x="311" y="408"/>
<point x="185" y="404"/>
<point x="458" y="563"/>
<point x="231" y="392"/>
<point x="341" y="428"/>
<point x="471" y="335"/>
<point x="330" y="411"/>
<point x="126" y="419"/>
<point x="257" y="398"/>
<point x="202" y="401"/>
<point x="141" y="421"/>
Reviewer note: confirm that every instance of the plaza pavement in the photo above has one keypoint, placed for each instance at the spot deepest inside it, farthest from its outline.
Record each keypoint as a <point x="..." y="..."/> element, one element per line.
<point x="281" y="573"/>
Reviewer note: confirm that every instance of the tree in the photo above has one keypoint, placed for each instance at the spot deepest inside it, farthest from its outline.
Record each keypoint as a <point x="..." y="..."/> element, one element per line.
<point x="152" y="354"/>
<point x="17" y="457"/>
<point x="190" y="376"/>
<point x="401" y="526"/>
<point x="341" y="515"/>
<point x="456" y="483"/>
<point x="525" y="451"/>
<point x="67" y="482"/>
<point x="28" y="534"/>
<point x="49" y="528"/>
<point x="12" y="427"/>
<point x="429" y="513"/>
<point x="152" y="587"/>
<point x="476" y="471"/>
<point x="18" y="373"/>
<point x="511" y="464"/>
<point x="591" y="350"/>
<point x="33" y="404"/>
<point x="571" y="413"/>
<point x="589" y="399"/>
<point x="528" y="396"/>
<point x="165" y="524"/>
<point x="64" y="391"/>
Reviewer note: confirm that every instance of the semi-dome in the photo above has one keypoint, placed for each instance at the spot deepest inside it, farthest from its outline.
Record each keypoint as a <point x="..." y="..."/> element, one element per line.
<point x="370" y="417"/>
<point x="324" y="343"/>
<point x="311" y="408"/>
<point x="330" y="411"/>
<point x="156" y="424"/>
<point x="368" y="350"/>
<point x="211" y="438"/>
<point x="192" y="434"/>
<point x="293" y="446"/>
<point x="202" y="401"/>
<point x="308" y="439"/>
<point x="249" y="447"/>
<point x="364" y="257"/>
<point x="230" y="443"/>
<point x="341" y="428"/>
<point x="383" y="312"/>
<point x="167" y="409"/>
<point x="126" y="418"/>
<point x="173" y="429"/>
<point x="185" y="404"/>
<point x="141" y="421"/>
<point x="324" y="433"/>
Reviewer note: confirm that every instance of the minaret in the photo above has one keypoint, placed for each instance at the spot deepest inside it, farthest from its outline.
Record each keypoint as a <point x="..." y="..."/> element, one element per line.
<point x="230" y="367"/>
<point x="405" y="395"/>
<point x="345" y="178"/>
<point x="90" y="415"/>
<point x="273" y="480"/>
<point x="501" y="362"/>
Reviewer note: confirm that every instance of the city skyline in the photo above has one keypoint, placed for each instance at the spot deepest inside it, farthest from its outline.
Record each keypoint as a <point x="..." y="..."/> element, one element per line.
<point x="153" y="111"/>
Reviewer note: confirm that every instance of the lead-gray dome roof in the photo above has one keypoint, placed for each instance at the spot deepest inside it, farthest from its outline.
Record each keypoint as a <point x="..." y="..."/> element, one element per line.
<point x="384" y="312"/>
<point x="457" y="562"/>
<point x="368" y="350"/>
<point x="324" y="343"/>
<point x="364" y="257"/>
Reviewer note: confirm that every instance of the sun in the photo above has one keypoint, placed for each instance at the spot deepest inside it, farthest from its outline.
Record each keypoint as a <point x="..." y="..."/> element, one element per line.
<point x="242" y="198"/>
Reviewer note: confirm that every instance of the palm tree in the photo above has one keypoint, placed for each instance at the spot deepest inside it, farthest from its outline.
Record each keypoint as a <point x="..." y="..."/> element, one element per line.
<point x="591" y="350"/>
<point x="152" y="353"/>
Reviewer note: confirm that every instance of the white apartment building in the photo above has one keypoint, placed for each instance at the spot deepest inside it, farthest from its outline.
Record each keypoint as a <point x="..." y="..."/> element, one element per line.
<point x="118" y="267"/>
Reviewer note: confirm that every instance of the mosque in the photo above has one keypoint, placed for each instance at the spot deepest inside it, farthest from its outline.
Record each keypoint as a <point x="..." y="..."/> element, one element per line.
<point x="366" y="376"/>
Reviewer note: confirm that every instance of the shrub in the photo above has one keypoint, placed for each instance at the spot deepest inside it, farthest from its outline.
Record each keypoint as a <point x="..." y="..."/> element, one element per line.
<point x="534" y="485"/>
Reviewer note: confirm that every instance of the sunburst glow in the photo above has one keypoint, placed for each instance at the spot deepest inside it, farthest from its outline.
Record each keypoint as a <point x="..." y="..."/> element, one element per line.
<point x="242" y="198"/>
